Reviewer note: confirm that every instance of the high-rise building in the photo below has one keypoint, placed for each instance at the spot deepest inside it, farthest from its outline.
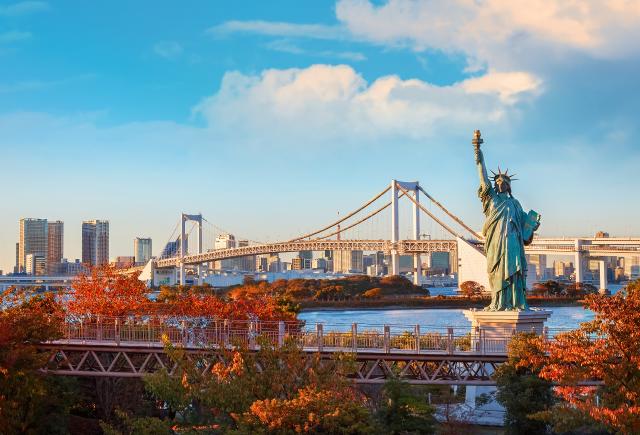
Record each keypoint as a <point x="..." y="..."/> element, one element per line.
<point x="297" y="263"/>
<point x="142" y="250"/>
<point x="439" y="263"/>
<point x="274" y="264"/>
<point x="124" y="261"/>
<point x="33" y="240"/>
<point x="262" y="264"/>
<point x="347" y="261"/>
<point x="35" y="264"/>
<point x="95" y="242"/>
<point x="225" y="241"/>
<point x="55" y="250"/>
<point x="16" y="268"/>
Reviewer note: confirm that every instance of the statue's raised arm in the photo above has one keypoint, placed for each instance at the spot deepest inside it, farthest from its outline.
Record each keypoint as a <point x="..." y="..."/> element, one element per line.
<point x="485" y="183"/>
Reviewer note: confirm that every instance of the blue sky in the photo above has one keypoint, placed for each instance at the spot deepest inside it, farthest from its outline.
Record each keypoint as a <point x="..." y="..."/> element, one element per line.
<point x="269" y="117"/>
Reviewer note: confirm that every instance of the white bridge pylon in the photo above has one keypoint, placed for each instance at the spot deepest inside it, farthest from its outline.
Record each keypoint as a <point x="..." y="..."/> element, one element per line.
<point x="184" y="218"/>
<point x="414" y="187"/>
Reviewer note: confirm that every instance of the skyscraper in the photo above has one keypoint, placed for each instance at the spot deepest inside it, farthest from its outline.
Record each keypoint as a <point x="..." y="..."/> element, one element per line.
<point x="142" y="250"/>
<point x="95" y="242"/>
<point x="347" y="261"/>
<point x="33" y="240"/>
<point x="55" y="250"/>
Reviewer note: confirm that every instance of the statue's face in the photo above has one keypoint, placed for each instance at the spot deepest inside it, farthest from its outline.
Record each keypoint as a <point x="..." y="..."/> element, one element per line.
<point x="502" y="185"/>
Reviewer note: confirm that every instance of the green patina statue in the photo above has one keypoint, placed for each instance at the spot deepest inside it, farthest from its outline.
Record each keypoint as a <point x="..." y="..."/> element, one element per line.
<point x="507" y="230"/>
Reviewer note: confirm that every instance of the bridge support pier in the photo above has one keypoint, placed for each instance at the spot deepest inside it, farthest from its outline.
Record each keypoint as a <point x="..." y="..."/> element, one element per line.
<point x="417" y="262"/>
<point x="395" y="229"/>
<point x="578" y="262"/>
<point x="603" y="277"/>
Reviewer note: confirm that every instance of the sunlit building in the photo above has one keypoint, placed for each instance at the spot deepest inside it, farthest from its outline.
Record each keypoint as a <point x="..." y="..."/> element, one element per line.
<point x="55" y="248"/>
<point x="142" y="250"/>
<point x="95" y="242"/>
<point x="34" y="239"/>
<point x="347" y="261"/>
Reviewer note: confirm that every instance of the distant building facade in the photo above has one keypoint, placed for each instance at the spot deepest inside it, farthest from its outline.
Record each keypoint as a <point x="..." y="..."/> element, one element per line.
<point x="95" y="242"/>
<point x="142" y="250"/>
<point x="36" y="264"/>
<point x="34" y="239"/>
<point x="55" y="249"/>
<point x="345" y="261"/>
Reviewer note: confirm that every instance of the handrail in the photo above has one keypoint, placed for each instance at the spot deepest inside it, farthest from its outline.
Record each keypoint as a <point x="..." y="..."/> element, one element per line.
<point x="357" y="338"/>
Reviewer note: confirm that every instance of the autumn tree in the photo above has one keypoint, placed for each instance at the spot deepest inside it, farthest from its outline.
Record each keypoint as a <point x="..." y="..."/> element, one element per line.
<point x="253" y="392"/>
<point x="471" y="289"/>
<point x="107" y="292"/>
<point x="606" y="349"/>
<point x="30" y="402"/>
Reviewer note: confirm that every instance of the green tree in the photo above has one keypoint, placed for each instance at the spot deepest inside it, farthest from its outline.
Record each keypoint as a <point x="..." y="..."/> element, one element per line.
<point x="520" y="390"/>
<point x="403" y="411"/>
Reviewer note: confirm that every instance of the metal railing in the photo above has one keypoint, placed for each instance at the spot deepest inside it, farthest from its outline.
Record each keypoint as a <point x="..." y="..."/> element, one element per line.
<point x="323" y="337"/>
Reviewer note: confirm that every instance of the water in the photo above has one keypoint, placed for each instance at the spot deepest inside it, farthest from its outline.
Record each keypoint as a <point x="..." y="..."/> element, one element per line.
<point x="562" y="317"/>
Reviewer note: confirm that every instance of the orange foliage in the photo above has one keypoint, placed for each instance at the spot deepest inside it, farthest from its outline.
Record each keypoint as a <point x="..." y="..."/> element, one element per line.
<point x="608" y="349"/>
<point x="311" y="411"/>
<point x="245" y="307"/>
<point x="105" y="292"/>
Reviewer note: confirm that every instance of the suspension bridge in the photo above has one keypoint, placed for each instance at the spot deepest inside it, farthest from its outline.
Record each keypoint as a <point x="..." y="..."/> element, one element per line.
<point x="375" y="226"/>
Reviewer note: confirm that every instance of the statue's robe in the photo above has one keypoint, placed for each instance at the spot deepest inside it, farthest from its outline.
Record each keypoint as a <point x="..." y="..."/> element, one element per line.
<point x="506" y="231"/>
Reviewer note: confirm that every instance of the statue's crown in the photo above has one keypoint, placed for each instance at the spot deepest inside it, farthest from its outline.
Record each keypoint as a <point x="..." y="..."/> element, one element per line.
<point x="504" y="175"/>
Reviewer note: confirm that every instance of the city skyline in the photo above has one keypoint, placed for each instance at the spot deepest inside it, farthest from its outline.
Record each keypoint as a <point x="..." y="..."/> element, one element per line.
<point x="185" y="111"/>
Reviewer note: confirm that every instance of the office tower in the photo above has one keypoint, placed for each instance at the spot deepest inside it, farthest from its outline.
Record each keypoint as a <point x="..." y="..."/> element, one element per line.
<point x="33" y="240"/>
<point x="439" y="263"/>
<point x="95" y="242"/>
<point x="142" y="250"/>
<point x="56" y="247"/>
<point x="124" y="261"/>
<point x="274" y="264"/>
<point x="297" y="263"/>
<point x="35" y="264"/>
<point x="262" y="264"/>
<point x="225" y="241"/>
<point x="347" y="261"/>
<point x="16" y="268"/>
<point x="320" y="263"/>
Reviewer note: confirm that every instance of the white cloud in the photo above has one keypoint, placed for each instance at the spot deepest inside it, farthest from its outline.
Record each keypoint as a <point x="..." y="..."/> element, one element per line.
<point x="23" y="8"/>
<point x="323" y="106"/>
<point x="326" y="104"/>
<point x="272" y="28"/>
<point x="286" y="46"/>
<point x="508" y="86"/>
<point x="14" y="36"/>
<point x="503" y="33"/>
<point x="168" y="49"/>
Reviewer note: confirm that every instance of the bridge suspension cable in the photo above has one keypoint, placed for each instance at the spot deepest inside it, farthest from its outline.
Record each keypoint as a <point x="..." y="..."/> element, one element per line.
<point x="344" y="218"/>
<point x="370" y="215"/>
<point x="451" y="215"/>
<point x="431" y="215"/>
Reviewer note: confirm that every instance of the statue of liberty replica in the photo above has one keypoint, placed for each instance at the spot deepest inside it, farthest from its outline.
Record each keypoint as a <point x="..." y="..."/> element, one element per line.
<point x="507" y="229"/>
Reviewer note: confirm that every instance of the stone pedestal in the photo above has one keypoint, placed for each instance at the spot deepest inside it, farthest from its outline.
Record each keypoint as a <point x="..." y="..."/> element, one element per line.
<point x="490" y="333"/>
<point x="501" y="323"/>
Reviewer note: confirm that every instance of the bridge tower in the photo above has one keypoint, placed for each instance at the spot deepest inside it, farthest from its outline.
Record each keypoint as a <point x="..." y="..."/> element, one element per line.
<point x="414" y="187"/>
<point x="184" y="218"/>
